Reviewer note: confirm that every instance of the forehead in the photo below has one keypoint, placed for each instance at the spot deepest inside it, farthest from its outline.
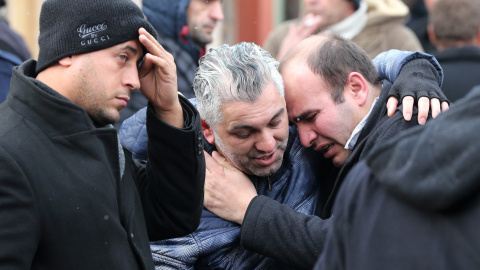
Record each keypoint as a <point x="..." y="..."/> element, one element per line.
<point x="196" y="4"/>
<point x="304" y="90"/>
<point x="259" y="112"/>
<point x="133" y="46"/>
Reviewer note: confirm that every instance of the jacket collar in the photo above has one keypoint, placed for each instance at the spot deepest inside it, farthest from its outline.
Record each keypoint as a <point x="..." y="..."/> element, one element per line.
<point x="43" y="106"/>
<point x="469" y="53"/>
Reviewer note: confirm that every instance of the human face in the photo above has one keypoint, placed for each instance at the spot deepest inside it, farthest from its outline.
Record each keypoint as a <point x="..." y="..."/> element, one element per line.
<point x="104" y="79"/>
<point x="330" y="11"/>
<point x="253" y="136"/>
<point x="322" y="124"/>
<point x="202" y="17"/>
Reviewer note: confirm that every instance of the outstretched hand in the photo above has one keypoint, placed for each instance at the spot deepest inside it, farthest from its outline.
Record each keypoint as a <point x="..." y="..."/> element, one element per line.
<point x="158" y="79"/>
<point x="228" y="191"/>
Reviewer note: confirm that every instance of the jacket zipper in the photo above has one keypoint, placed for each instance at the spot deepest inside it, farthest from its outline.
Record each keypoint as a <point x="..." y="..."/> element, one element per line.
<point x="269" y="182"/>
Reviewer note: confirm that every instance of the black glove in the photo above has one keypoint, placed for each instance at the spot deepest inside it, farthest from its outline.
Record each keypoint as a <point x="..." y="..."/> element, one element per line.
<point x="417" y="78"/>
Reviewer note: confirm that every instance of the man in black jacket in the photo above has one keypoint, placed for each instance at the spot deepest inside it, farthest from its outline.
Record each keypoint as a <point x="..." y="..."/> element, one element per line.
<point x="454" y="29"/>
<point x="414" y="202"/>
<point x="343" y="116"/>
<point x="70" y="196"/>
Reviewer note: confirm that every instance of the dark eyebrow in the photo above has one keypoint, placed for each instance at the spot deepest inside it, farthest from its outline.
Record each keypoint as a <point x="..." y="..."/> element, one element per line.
<point x="280" y="112"/>
<point x="131" y="49"/>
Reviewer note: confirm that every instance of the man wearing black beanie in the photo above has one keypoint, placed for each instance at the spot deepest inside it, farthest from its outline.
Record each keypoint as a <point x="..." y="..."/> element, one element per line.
<point x="70" y="196"/>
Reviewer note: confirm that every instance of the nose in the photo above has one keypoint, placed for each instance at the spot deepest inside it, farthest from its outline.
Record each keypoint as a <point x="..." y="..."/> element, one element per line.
<point x="266" y="142"/>
<point x="216" y="11"/>
<point x="307" y="135"/>
<point x="131" y="79"/>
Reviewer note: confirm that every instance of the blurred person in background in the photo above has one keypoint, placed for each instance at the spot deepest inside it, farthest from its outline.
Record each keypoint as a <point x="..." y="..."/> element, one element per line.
<point x="185" y="28"/>
<point x="454" y="29"/>
<point x="13" y="51"/>
<point x="374" y="25"/>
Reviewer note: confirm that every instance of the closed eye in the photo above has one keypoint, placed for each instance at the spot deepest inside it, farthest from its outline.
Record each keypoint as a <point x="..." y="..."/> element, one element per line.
<point x="243" y="136"/>
<point x="311" y="117"/>
<point x="275" y="123"/>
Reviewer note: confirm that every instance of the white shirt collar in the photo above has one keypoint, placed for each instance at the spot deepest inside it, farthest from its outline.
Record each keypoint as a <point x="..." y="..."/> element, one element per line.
<point x="356" y="132"/>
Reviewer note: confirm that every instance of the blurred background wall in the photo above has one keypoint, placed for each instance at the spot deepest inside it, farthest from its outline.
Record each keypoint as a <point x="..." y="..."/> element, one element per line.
<point x="245" y="20"/>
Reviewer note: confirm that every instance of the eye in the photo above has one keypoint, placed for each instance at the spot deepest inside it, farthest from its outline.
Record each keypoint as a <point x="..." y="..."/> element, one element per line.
<point x="311" y="117"/>
<point x="275" y="123"/>
<point x="243" y="135"/>
<point x="123" y="58"/>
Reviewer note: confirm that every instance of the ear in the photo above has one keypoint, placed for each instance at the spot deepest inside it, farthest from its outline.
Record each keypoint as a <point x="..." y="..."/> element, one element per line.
<point x="357" y="88"/>
<point x="208" y="132"/>
<point x="66" y="62"/>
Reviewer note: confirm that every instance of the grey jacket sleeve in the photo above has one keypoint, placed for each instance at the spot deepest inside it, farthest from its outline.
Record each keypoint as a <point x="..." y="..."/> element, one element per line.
<point x="282" y="233"/>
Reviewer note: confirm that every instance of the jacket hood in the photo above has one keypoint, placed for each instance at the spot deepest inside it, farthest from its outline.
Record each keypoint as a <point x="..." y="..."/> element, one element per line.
<point x="435" y="166"/>
<point x="169" y="19"/>
<point x="386" y="11"/>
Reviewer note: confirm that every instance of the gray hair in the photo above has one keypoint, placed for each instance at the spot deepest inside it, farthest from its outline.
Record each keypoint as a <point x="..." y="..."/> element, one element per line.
<point x="233" y="73"/>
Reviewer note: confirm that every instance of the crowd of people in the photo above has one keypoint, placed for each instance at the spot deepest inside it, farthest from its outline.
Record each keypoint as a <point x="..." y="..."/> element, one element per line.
<point x="334" y="145"/>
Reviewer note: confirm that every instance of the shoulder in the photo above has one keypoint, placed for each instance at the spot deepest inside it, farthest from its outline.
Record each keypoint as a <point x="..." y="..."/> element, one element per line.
<point x="354" y="189"/>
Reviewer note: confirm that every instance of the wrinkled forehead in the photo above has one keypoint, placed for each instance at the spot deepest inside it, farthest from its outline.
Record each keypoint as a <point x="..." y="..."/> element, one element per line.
<point x="257" y="114"/>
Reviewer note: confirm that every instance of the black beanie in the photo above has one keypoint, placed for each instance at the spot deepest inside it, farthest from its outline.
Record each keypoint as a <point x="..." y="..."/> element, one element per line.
<point x="70" y="27"/>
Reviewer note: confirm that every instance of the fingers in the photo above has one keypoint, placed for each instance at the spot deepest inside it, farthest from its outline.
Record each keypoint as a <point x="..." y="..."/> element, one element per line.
<point x="156" y="55"/>
<point x="408" y="102"/>
<point x="445" y="106"/>
<point x="423" y="108"/>
<point x="392" y="104"/>
<point x="309" y="24"/>
<point x="209" y="161"/>
<point x="152" y="45"/>
<point x="435" y="105"/>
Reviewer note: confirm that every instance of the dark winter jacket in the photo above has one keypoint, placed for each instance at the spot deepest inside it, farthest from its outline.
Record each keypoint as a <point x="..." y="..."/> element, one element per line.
<point x="414" y="203"/>
<point x="462" y="68"/>
<point x="67" y="201"/>
<point x="215" y="244"/>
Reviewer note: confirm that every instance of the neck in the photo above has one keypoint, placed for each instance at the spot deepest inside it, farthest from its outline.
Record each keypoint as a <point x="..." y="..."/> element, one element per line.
<point x="458" y="44"/>
<point x="53" y="78"/>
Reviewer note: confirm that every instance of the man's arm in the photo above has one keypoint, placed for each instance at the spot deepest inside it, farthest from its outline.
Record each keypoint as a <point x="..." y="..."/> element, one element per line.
<point x="171" y="187"/>
<point x="292" y="237"/>
<point x="276" y="230"/>
<point x="414" y="75"/>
